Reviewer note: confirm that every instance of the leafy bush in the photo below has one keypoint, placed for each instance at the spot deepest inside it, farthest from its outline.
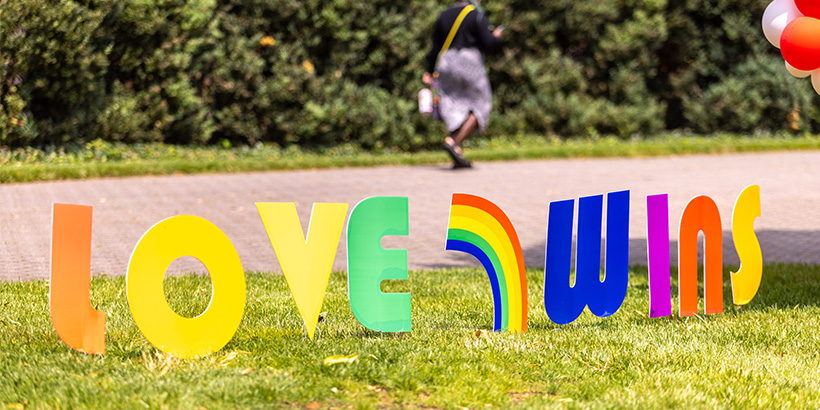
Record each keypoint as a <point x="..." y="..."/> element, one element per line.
<point x="52" y="71"/>
<point x="758" y="94"/>
<point x="319" y="73"/>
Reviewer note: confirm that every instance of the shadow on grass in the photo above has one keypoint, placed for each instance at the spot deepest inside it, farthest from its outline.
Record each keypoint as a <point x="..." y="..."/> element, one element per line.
<point x="791" y="273"/>
<point x="783" y="286"/>
<point x="786" y="285"/>
<point x="373" y="334"/>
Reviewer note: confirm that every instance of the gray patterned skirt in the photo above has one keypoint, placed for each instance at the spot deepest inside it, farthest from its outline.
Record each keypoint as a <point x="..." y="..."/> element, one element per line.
<point x="463" y="88"/>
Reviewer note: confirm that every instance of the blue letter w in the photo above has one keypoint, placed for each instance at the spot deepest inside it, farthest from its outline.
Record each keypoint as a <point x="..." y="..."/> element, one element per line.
<point x="564" y="303"/>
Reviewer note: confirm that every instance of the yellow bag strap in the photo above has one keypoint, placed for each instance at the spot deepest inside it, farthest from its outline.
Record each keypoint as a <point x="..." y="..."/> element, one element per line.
<point x="464" y="12"/>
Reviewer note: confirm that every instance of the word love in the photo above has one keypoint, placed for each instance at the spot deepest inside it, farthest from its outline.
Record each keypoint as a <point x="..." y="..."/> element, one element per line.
<point x="305" y="260"/>
<point x="476" y="226"/>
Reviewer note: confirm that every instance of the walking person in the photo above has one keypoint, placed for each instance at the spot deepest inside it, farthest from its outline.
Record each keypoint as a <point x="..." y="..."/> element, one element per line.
<point x="455" y="66"/>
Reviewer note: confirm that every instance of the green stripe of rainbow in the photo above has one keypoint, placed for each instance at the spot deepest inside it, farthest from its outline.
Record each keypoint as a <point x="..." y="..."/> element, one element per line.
<point x="479" y="227"/>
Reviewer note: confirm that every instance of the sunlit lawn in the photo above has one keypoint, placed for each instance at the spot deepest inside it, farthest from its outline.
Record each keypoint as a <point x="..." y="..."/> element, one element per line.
<point x="103" y="159"/>
<point x="764" y="355"/>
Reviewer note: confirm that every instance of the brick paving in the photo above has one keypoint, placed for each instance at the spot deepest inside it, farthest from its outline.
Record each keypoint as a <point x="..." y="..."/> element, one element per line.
<point x="789" y="230"/>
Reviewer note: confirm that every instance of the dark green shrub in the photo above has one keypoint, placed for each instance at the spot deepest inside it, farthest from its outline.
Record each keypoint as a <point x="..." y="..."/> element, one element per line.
<point x="757" y="95"/>
<point x="52" y="71"/>
<point x="156" y="69"/>
<point x="319" y="73"/>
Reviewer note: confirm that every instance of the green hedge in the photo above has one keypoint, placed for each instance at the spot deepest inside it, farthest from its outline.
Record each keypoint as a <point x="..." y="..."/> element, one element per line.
<point x="323" y="72"/>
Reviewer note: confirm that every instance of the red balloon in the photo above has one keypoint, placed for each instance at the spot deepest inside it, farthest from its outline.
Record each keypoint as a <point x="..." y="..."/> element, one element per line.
<point x="800" y="43"/>
<point x="810" y="8"/>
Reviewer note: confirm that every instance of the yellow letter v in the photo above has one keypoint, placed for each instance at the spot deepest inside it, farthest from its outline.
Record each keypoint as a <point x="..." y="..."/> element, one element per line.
<point x="306" y="263"/>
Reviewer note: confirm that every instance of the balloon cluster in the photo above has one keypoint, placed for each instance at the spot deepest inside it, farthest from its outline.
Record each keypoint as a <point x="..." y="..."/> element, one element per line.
<point x="793" y="26"/>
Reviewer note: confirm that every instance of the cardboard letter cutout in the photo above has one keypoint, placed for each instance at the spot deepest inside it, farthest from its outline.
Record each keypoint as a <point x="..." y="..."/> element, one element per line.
<point x="657" y="250"/>
<point x="746" y="281"/>
<point x="564" y="303"/>
<point x="369" y="264"/>
<point x="700" y="214"/>
<point x="76" y="322"/>
<point x="166" y="241"/>
<point x="480" y="228"/>
<point x="305" y="261"/>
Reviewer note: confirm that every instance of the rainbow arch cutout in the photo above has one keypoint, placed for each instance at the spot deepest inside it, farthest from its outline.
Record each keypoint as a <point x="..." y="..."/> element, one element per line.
<point x="480" y="228"/>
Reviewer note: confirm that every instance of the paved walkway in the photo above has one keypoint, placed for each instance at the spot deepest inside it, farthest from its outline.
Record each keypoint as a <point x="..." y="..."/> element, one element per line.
<point x="789" y="230"/>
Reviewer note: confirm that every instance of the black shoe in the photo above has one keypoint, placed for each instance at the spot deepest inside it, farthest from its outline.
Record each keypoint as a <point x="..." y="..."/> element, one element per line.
<point x="451" y="149"/>
<point x="458" y="160"/>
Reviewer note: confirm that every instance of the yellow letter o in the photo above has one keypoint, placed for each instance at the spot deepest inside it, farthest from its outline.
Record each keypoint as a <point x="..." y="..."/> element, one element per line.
<point x="166" y="241"/>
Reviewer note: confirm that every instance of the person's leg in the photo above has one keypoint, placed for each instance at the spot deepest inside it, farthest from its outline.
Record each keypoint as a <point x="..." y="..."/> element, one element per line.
<point x="468" y="128"/>
<point x="453" y="142"/>
<point x="458" y="136"/>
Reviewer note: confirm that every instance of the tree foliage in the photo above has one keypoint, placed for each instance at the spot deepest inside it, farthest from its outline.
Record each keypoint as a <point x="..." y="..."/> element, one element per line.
<point x="324" y="72"/>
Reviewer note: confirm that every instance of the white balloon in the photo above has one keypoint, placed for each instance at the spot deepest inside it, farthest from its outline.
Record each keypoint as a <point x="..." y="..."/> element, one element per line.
<point x="795" y="72"/>
<point x="778" y="14"/>
<point x="815" y="81"/>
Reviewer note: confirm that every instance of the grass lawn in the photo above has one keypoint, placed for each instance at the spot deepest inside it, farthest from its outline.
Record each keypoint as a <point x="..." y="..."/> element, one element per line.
<point x="102" y="159"/>
<point x="764" y="355"/>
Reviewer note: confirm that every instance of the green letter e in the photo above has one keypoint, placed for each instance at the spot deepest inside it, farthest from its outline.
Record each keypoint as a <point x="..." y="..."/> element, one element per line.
<point x="369" y="264"/>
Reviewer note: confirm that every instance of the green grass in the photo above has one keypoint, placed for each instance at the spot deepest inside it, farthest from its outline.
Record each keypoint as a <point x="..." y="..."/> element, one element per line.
<point x="764" y="355"/>
<point x="101" y="159"/>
